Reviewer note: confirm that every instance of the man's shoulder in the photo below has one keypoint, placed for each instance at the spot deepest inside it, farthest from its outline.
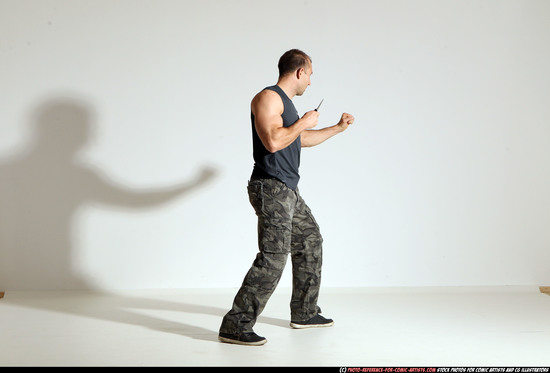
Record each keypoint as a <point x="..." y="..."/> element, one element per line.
<point x="268" y="93"/>
<point x="267" y="97"/>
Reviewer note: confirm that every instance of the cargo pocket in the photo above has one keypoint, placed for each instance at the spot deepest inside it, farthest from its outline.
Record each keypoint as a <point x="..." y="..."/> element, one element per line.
<point x="274" y="238"/>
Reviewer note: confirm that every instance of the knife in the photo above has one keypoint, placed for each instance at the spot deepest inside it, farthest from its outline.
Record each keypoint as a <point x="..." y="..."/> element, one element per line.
<point x="319" y="105"/>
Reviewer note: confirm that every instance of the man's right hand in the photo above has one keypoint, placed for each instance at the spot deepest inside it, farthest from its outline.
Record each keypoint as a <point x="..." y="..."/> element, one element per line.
<point x="311" y="119"/>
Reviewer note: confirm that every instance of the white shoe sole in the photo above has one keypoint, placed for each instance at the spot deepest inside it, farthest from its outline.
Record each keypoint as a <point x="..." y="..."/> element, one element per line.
<point x="236" y="342"/>
<point x="309" y="326"/>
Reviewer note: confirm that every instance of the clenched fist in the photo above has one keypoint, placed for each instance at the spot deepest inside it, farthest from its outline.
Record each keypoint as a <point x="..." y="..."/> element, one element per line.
<point x="345" y="121"/>
<point x="311" y="118"/>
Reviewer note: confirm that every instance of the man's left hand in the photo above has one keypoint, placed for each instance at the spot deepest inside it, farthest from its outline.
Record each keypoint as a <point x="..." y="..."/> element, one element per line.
<point x="345" y="121"/>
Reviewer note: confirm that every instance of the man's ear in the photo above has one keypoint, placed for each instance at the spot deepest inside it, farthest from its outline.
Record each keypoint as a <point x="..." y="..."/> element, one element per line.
<point x="299" y="72"/>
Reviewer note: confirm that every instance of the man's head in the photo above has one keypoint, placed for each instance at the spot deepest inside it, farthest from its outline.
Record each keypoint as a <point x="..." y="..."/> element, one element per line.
<point x="297" y="64"/>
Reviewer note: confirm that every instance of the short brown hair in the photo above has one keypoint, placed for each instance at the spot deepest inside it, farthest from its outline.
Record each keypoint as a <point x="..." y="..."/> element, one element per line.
<point x="292" y="60"/>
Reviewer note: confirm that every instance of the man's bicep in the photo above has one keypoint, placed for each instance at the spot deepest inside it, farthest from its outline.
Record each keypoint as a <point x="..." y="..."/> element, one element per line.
<point x="267" y="110"/>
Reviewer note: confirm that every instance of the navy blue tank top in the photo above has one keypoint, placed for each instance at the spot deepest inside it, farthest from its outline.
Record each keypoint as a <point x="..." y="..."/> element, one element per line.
<point x="283" y="164"/>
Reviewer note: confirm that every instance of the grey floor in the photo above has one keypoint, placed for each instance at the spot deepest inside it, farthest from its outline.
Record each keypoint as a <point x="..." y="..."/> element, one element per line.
<point x="373" y="327"/>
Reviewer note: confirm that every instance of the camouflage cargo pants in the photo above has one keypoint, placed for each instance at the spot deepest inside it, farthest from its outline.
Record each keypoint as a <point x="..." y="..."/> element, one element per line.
<point x="285" y="226"/>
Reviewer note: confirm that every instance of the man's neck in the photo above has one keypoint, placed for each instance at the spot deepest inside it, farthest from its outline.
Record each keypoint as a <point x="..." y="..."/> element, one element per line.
<point x="287" y="87"/>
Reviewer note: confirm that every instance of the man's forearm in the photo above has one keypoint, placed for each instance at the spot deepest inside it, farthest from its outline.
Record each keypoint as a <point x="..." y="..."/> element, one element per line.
<point x="315" y="137"/>
<point x="282" y="137"/>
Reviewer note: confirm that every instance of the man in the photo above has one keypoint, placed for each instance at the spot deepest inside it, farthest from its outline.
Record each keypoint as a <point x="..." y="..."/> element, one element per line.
<point x="285" y="222"/>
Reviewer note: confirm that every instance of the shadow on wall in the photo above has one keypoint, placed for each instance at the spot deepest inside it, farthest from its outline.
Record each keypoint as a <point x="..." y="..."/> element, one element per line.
<point x="42" y="188"/>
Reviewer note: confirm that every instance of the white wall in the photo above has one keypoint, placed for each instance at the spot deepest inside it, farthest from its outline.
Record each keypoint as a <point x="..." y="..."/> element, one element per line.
<point x="108" y="107"/>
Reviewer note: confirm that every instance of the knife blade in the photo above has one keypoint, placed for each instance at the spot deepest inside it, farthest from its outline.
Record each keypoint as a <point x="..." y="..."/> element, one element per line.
<point x="319" y="105"/>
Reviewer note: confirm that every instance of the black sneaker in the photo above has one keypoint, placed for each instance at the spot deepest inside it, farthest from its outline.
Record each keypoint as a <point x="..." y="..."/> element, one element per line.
<point x="247" y="339"/>
<point x="317" y="321"/>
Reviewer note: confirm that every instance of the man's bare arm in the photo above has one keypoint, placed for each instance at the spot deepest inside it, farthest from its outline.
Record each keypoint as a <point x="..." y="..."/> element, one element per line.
<point x="267" y="108"/>
<point x="316" y="137"/>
